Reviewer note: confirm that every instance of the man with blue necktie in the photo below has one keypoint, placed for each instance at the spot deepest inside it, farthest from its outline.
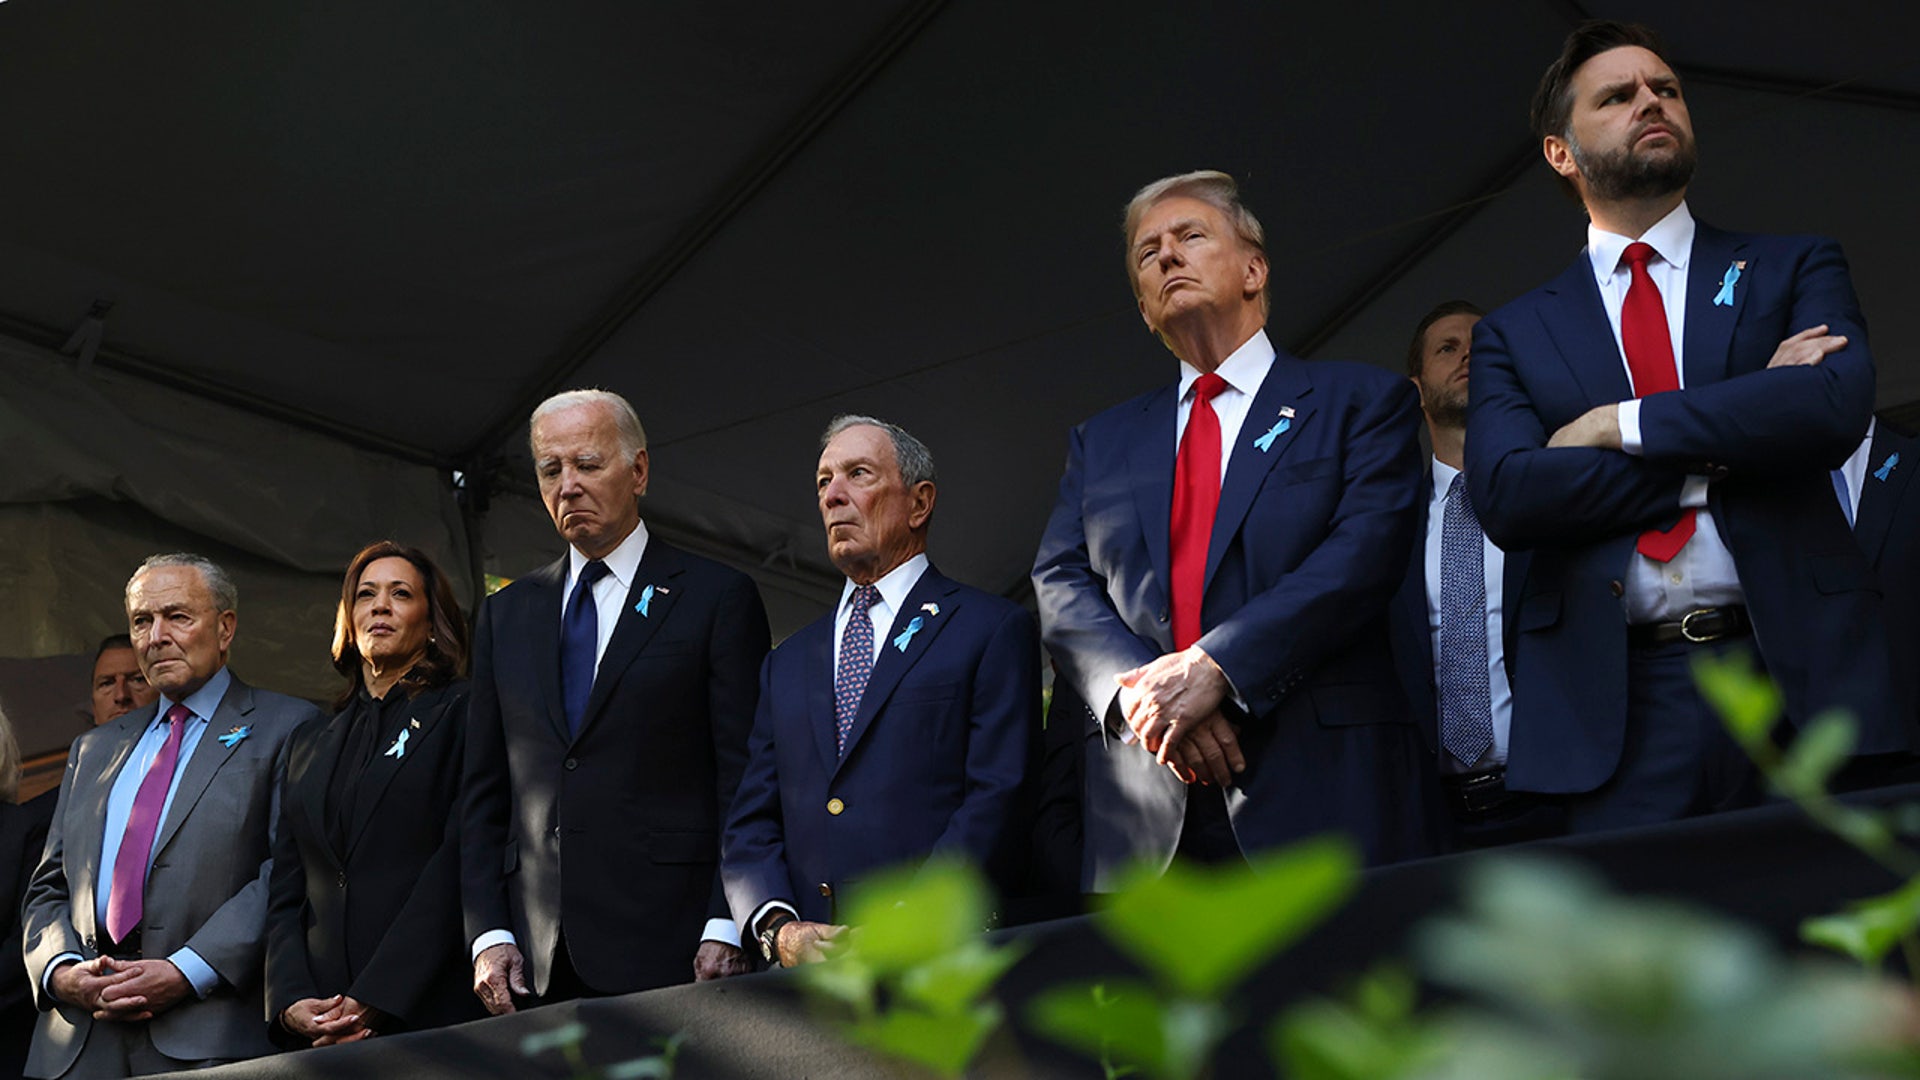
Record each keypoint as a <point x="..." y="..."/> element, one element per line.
<point x="613" y="691"/>
<point x="1215" y="577"/>
<point x="1658" y="425"/>
<point x="896" y="728"/>
<point x="145" y="920"/>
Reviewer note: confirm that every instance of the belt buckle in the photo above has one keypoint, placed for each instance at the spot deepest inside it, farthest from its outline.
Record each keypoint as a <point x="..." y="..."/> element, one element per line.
<point x="1686" y="626"/>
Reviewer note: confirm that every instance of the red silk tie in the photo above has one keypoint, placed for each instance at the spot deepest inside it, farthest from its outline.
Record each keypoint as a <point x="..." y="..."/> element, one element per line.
<point x="126" y="896"/>
<point x="1196" y="495"/>
<point x="1649" y="348"/>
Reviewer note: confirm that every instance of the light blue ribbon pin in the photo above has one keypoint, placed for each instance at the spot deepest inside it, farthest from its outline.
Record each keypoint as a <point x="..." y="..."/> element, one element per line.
<point x="907" y="634"/>
<point x="1265" y="442"/>
<point x="646" y="597"/>
<point x="1724" y="298"/>
<point x="399" y="747"/>
<point x="232" y="738"/>
<point x="1887" y="466"/>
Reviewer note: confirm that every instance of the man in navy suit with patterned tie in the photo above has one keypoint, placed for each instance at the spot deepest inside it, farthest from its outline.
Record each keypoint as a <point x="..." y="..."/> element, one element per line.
<point x="1215" y="576"/>
<point x="897" y="728"/>
<point x="1657" y="424"/>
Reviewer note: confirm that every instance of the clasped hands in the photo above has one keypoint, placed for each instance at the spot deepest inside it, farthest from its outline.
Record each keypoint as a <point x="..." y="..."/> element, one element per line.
<point x="500" y="972"/>
<point x="125" y="990"/>
<point x="326" y="1021"/>
<point x="1173" y="706"/>
<point x="1600" y="426"/>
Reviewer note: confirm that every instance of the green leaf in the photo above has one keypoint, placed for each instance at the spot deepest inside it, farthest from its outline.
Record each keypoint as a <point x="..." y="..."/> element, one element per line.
<point x="950" y="983"/>
<point x="1127" y="1023"/>
<point x="942" y="1043"/>
<point x="1819" y="750"/>
<point x="906" y="916"/>
<point x="1748" y="702"/>
<point x="646" y="1068"/>
<point x="844" y="978"/>
<point x="1377" y="1037"/>
<point x="1200" y="930"/>
<point x="543" y="1041"/>
<point x="1870" y="928"/>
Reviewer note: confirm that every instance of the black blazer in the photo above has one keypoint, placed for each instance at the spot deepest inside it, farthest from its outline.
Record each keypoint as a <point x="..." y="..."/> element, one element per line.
<point x="613" y="835"/>
<point x="380" y="920"/>
<point x="23" y="833"/>
<point x="1887" y="525"/>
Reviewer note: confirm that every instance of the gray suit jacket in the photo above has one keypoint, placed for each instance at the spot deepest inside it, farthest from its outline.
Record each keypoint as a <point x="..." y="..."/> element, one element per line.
<point x="207" y="889"/>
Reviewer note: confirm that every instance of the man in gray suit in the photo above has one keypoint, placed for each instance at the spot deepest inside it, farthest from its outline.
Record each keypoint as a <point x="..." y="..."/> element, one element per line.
<point x="145" y="918"/>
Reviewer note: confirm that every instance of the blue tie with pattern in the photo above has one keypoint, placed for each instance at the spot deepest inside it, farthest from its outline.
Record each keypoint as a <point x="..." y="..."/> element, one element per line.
<point x="1466" y="702"/>
<point x="856" y="662"/>
<point x="580" y="640"/>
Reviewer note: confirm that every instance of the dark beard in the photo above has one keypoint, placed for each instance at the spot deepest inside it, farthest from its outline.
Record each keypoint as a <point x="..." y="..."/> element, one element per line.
<point x="1620" y="174"/>
<point x="1443" y="408"/>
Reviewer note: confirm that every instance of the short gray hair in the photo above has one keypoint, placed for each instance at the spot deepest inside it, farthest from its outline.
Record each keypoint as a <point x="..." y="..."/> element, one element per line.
<point x="912" y="455"/>
<point x="626" y="422"/>
<point x="226" y="597"/>
<point x="1210" y="186"/>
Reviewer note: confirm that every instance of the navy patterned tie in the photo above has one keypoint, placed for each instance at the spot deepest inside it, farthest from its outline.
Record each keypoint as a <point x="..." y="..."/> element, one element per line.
<point x="580" y="640"/>
<point x="1466" y="702"/>
<point x="856" y="662"/>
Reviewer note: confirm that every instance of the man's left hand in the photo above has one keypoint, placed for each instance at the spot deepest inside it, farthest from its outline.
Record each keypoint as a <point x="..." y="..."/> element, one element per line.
<point x="1597" y="427"/>
<point x="155" y="987"/>
<point x="717" y="960"/>
<point x="1210" y="754"/>
<point x="1171" y="695"/>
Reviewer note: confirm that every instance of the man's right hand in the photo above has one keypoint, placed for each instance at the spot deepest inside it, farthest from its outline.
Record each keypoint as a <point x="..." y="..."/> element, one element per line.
<point x="499" y="972"/>
<point x="805" y="942"/>
<point x="81" y="982"/>
<point x="1210" y="754"/>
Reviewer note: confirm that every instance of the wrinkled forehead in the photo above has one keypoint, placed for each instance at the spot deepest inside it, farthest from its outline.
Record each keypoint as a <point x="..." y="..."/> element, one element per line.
<point x="115" y="661"/>
<point x="861" y="442"/>
<point x="1620" y="64"/>
<point x="168" y="587"/>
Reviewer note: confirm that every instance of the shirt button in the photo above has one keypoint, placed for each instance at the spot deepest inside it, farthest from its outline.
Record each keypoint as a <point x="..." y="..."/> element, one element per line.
<point x="834" y="806"/>
<point x="1675" y="579"/>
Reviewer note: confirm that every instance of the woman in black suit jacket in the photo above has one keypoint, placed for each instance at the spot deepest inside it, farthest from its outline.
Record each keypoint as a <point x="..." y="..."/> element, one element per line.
<point x="363" y="922"/>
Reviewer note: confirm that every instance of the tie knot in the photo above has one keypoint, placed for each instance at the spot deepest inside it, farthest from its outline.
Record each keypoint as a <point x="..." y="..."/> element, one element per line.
<point x="864" y="597"/>
<point x="1208" y="386"/>
<point x="1458" y="488"/>
<point x="593" y="571"/>
<point x="179" y="714"/>
<point x="1637" y="254"/>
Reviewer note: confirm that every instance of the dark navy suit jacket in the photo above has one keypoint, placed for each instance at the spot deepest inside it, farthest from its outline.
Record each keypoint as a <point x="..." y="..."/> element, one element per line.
<point x="1309" y="542"/>
<point x="936" y="761"/>
<point x="1413" y="641"/>
<point x="1770" y="435"/>
<point x="1887" y="525"/>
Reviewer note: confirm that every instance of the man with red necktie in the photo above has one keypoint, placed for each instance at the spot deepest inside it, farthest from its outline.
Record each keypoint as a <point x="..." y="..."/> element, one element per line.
<point x="1215" y="576"/>
<point x="1659" y="423"/>
<point x="146" y="920"/>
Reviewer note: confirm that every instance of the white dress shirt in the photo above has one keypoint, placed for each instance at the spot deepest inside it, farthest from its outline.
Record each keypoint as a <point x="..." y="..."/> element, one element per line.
<point x="1702" y="574"/>
<point x="1244" y="370"/>
<point x="1496" y="565"/>
<point x="1855" y="471"/>
<point x="609" y="597"/>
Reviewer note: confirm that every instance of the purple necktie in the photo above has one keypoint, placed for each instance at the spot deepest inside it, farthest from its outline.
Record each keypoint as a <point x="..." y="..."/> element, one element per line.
<point x="124" y="898"/>
<point x="856" y="662"/>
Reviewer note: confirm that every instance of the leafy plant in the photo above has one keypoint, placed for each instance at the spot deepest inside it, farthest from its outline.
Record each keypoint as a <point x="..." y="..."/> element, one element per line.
<point x="1198" y="932"/>
<point x="570" y="1040"/>
<point x="915" y="980"/>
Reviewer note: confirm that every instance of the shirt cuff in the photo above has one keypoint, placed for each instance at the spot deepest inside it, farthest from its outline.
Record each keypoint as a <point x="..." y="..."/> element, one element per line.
<point x="1693" y="492"/>
<point x="46" y="977"/>
<point x="722" y="931"/>
<point x="491" y="938"/>
<point x="203" y="978"/>
<point x="767" y="909"/>
<point x="1630" y="427"/>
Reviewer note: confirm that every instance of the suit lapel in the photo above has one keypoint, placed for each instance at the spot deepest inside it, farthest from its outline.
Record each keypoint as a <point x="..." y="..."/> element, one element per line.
<point x="1874" y="517"/>
<point x="316" y="774"/>
<point x="894" y="662"/>
<point x="1709" y="328"/>
<point x="1575" y="319"/>
<point x="548" y="601"/>
<point x="207" y="758"/>
<point x="1150" y="461"/>
<point x="84" y="845"/>
<point x="820" y="675"/>
<point x="660" y="569"/>
<point x="1286" y="386"/>
<point x="423" y="714"/>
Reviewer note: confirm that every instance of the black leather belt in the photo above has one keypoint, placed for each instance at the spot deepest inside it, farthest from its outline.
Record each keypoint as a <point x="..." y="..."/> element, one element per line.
<point x="1705" y="624"/>
<point x="1471" y="795"/>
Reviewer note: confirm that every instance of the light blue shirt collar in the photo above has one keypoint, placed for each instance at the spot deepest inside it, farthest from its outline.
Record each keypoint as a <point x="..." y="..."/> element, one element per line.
<point x="201" y="702"/>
